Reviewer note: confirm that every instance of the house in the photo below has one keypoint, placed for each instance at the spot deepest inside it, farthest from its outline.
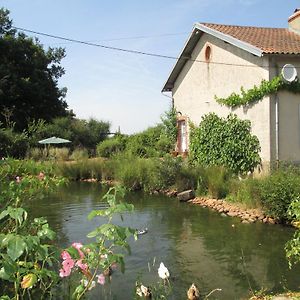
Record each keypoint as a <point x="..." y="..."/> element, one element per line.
<point x="218" y="60"/>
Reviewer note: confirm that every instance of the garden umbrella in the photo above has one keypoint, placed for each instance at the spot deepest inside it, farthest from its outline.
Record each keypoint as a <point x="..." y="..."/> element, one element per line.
<point x="54" y="140"/>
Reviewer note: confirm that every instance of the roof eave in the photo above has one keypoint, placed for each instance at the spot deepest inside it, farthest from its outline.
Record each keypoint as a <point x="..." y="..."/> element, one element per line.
<point x="184" y="56"/>
<point x="230" y="39"/>
<point x="191" y="43"/>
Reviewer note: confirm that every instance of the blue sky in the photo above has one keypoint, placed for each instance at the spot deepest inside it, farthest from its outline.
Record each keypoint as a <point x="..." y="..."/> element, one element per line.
<point x="125" y="88"/>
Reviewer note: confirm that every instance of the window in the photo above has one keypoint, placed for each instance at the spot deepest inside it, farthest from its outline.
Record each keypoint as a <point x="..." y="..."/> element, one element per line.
<point x="207" y="53"/>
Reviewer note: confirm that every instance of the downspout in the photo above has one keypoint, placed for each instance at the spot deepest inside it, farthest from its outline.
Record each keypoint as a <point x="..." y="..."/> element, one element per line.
<point x="277" y="129"/>
<point x="276" y="122"/>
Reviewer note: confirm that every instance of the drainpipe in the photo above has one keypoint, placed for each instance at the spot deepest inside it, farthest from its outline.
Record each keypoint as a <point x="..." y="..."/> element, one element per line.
<point x="277" y="129"/>
<point x="273" y="62"/>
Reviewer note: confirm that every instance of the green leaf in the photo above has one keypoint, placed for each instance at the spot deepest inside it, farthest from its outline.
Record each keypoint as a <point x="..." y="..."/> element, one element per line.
<point x="16" y="247"/>
<point x="4" y="214"/>
<point x="46" y="232"/>
<point x="4" y="275"/>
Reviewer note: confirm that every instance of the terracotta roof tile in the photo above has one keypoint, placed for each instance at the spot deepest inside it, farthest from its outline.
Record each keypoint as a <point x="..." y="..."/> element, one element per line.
<point x="269" y="40"/>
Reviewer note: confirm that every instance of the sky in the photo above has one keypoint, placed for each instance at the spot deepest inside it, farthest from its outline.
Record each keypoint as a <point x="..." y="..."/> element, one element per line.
<point x="125" y="88"/>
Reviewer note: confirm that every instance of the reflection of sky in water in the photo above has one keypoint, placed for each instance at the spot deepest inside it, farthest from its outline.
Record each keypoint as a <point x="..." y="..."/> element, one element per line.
<point x="196" y="244"/>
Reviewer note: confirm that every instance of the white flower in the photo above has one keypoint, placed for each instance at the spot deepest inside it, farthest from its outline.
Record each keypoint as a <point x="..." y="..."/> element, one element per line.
<point x="143" y="291"/>
<point x="85" y="283"/>
<point x="163" y="272"/>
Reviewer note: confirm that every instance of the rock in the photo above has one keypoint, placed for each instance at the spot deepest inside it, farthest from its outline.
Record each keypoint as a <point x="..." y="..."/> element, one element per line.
<point x="232" y="213"/>
<point x="251" y="220"/>
<point x="186" y="195"/>
<point x="271" y="221"/>
<point x="245" y="222"/>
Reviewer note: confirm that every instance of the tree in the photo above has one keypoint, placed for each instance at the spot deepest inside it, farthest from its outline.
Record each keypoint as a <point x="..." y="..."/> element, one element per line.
<point x="28" y="77"/>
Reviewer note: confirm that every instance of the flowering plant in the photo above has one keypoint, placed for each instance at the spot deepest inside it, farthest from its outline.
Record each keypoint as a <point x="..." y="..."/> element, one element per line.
<point x="95" y="261"/>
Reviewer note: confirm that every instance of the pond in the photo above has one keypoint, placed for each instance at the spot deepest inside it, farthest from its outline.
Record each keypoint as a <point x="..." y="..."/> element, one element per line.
<point x="196" y="244"/>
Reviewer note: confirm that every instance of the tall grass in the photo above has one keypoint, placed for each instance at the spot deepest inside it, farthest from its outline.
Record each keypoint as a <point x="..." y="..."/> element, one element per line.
<point x="81" y="169"/>
<point x="273" y="193"/>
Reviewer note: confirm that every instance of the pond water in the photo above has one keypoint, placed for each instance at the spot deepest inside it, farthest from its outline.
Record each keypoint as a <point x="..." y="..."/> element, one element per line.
<point x="196" y="244"/>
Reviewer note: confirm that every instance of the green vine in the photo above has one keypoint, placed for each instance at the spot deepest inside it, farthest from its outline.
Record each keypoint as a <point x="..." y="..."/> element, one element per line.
<point x="257" y="93"/>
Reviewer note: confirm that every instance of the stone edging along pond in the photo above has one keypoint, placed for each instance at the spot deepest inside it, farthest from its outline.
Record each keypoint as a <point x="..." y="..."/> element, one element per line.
<point x="224" y="207"/>
<point x="233" y="210"/>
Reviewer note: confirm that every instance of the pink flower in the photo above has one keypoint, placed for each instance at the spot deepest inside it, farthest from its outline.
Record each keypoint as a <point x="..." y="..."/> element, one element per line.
<point x="101" y="279"/>
<point x="68" y="264"/>
<point x="64" y="272"/>
<point x="81" y="265"/>
<point x="65" y="255"/>
<point x="78" y="246"/>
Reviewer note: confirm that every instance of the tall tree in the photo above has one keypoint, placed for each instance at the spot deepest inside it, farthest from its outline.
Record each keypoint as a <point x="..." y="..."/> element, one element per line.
<point x="28" y="77"/>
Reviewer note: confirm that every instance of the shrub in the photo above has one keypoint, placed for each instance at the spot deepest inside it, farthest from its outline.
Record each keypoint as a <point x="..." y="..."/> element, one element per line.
<point x="277" y="191"/>
<point x="81" y="169"/>
<point x="112" y="146"/>
<point x="217" y="181"/>
<point x="144" y="144"/>
<point x="13" y="144"/>
<point x="79" y="153"/>
<point x="225" y="142"/>
<point x="58" y="153"/>
<point x="245" y="191"/>
<point x="35" y="153"/>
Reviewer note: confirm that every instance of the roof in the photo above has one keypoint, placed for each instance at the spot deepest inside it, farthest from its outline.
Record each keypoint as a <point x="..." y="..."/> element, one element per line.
<point x="256" y="40"/>
<point x="269" y="40"/>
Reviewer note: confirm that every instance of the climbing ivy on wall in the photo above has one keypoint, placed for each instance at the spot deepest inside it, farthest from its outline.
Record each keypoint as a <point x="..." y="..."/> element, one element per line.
<point x="257" y="93"/>
<point x="224" y="142"/>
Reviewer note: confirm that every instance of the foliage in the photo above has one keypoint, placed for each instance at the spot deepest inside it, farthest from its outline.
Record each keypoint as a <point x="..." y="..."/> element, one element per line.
<point x="78" y="154"/>
<point x="27" y="255"/>
<point x="82" y="169"/>
<point x="224" y="142"/>
<point x="98" y="258"/>
<point x="278" y="191"/>
<point x="144" y="144"/>
<point x="245" y="191"/>
<point x="217" y="181"/>
<point x="112" y="146"/>
<point x="292" y="247"/>
<point x="258" y="93"/>
<point x="28" y="77"/>
<point x="12" y="144"/>
<point x="169" y="121"/>
<point x="37" y="153"/>
<point x="58" y="153"/>
<point x="80" y="132"/>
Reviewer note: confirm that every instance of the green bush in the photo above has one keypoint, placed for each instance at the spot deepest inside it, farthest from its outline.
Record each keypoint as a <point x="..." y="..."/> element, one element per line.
<point x="144" y="144"/>
<point x="79" y="153"/>
<point x="81" y="169"/>
<point x="13" y="144"/>
<point x="58" y="153"/>
<point x="35" y="153"/>
<point x="217" y="179"/>
<point x="245" y="191"/>
<point x="277" y="192"/>
<point x="112" y="146"/>
<point x="224" y="142"/>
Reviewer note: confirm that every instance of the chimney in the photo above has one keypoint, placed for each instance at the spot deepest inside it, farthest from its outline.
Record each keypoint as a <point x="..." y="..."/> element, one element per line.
<point x="294" y="21"/>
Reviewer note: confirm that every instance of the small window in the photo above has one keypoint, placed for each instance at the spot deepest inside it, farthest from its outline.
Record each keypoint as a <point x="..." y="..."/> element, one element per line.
<point x="207" y="53"/>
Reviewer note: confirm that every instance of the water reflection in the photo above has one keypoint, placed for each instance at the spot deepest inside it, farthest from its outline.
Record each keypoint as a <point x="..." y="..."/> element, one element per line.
<point x="196" y="244"/>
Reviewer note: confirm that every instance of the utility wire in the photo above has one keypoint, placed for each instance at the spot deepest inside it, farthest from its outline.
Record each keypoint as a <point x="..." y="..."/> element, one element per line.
<point x="129" y="38"/>
<point x="95" y="45"/>
<point x="136" y="51"/>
